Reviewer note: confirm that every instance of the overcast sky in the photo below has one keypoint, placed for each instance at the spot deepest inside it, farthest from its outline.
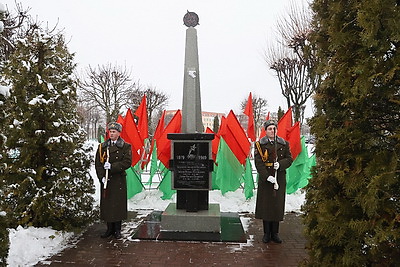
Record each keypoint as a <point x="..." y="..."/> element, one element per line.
<point x="148" y="37"/>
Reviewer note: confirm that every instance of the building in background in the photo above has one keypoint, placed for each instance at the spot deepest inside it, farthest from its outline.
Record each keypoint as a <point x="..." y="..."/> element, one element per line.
<point x="206" y="117"/>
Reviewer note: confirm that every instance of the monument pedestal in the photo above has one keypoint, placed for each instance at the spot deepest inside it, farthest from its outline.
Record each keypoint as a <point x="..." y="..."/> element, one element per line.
<point x="231" y="229"/>
<point x="177" y="220"/>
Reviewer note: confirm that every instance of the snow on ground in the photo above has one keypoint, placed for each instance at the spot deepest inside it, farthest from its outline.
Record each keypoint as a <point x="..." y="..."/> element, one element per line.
<point x="30" y="245"/>
<point x="230" y="202"/>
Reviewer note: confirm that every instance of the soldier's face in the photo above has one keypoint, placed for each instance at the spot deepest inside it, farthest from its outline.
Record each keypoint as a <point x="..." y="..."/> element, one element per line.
<point x="271" y="131"/>
<point x="114" y="134"/>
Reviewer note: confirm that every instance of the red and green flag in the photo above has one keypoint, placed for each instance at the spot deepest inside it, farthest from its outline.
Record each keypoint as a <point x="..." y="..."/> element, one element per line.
<point x="214" y="144"/>
<point x="248" y="110"/>
<point x="229" y="170"/>
<point x="284" y="124"/>
<point x="298" y="173"/>
<point x="133" y="182"/>
<point x="293" y="137"/>
<point x="163" y="143"/>
<point x="165" y="185"/>
<point x="131" y="135"/>
<point x="142" y="126"/>
<point x="235" y="137"/>
<point x="248" y="180"/>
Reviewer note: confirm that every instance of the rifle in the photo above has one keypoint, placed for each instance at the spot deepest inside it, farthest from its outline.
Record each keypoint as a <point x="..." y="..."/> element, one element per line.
<point x="276" y="185"/>
<point x="106" y="176"/>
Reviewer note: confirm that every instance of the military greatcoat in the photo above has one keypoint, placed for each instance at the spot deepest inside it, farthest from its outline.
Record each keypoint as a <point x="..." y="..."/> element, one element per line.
<point x="270" y="204"/>
<point x="113" y="200"/>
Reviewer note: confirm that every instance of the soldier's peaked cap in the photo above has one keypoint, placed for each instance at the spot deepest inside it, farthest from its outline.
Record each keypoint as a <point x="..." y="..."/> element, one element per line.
<point x="268" y="123"/>
<point x="115" y="126"/>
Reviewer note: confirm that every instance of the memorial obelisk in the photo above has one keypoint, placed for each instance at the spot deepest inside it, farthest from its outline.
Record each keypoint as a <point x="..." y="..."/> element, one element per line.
<point x="191" y="103"/>
<point x="192" y="217"/>
<point x="191" y="161"/>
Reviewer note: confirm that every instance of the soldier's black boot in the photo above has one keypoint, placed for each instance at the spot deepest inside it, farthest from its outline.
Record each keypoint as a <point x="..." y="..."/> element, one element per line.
<point x="274" y="232"/>
<point x="109" y="232"/>
<point x="267" y="232"/>
<point x="117" y="233"/>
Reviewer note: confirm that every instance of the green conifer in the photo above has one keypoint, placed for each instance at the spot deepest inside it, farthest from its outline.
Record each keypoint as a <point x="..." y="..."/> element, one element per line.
<point x="47" y="175"/>
<point x="4" y="239"/>
<point x="353" y="200"/>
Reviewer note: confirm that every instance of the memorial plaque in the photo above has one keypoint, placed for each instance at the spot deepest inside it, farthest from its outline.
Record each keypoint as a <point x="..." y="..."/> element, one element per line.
<point x="191" y="165"/>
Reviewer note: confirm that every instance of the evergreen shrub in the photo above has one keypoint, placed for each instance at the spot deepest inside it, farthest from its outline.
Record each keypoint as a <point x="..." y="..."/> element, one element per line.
<point x="353" y="199"/>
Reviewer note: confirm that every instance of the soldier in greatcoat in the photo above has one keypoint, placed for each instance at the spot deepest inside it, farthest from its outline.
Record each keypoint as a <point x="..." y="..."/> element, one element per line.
<point x="113" y="157"/>
<point x="272" y="156"/>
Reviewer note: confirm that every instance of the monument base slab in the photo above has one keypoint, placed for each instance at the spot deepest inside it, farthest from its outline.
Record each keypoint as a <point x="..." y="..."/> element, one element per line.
<point x="231" y="230"/>
<point x="177" y="220"/>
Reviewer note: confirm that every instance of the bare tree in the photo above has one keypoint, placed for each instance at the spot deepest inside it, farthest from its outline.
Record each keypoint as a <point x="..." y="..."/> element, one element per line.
<point x="259" y="110"/>
<point x="15" y="26"/>
<point x="156" y="102"/>
<point x="294" y="81"/>
<point x="89" y="119"/>
<point x="293" y="59"/>
<point x="108" y="88"/>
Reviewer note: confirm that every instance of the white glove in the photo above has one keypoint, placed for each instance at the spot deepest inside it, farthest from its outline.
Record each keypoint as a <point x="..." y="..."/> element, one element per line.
<point x="276" y="186"/>
<point x="103" y="180"/>
<point x="107" y="165"/>
<point x="271" y="179"/>
<point x="276" y="165"/>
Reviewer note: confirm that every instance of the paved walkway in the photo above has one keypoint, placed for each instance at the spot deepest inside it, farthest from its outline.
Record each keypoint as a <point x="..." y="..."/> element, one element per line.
<point x="91" y="250"/>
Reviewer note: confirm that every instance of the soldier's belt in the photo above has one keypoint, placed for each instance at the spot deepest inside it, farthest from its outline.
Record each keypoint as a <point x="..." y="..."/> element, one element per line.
<point x="269" y="164"/>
